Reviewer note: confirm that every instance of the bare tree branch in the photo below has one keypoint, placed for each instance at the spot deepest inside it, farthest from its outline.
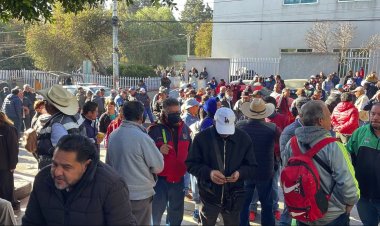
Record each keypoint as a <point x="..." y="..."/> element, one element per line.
<point x="319" y="37"/>
<point x="373" y="43"/>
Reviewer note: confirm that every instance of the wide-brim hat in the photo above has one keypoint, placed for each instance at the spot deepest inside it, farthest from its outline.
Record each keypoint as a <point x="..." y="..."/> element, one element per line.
<point x="60" y="98"/>
<point x="257" y="109"/>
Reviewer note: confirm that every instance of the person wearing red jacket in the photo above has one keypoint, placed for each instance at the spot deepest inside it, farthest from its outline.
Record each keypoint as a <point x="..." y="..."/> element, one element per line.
<point x="172" y="138"/>
<point x="345" y="118"/>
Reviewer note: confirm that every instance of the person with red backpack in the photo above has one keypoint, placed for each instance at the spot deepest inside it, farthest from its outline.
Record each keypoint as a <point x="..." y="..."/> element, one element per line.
<point x="318" y="179"/>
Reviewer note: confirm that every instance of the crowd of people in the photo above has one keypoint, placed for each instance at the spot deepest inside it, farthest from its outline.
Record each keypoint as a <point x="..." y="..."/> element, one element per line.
<point x="225" y="147"/>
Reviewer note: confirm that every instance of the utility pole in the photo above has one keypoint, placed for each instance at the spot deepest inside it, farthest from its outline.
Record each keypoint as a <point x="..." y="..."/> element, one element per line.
<point x="188" y="45"/>
<point x="115" y="52"/>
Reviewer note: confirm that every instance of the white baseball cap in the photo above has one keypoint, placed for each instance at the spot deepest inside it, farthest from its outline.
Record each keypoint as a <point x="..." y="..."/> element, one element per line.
<point x="225" y="121"/>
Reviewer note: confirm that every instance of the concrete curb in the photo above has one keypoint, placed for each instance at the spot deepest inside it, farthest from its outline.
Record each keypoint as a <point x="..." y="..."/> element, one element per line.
<point x="23" y="188"/>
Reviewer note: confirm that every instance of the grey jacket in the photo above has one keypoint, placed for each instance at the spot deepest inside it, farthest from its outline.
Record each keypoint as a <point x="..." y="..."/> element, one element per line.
<point x="134" y="155"/>
<point x="335" y="155"/>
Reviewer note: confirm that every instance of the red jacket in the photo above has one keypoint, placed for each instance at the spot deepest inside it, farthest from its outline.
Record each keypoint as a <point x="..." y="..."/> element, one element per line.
<point x="111" y="127"/>
<point x="345" y="118"/>
<point x="174" y="161"/>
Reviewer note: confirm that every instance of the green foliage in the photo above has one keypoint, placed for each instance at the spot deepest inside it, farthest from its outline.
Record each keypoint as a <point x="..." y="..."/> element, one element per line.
<point x="134" y="70"/>
<point x="203" y="40"/>
<point x="12" y="47"/>
<point x="153" y="43"/>
<point x="197" y="12"/>
<point x="63" y="45"/>
<point x="37" y="10"/>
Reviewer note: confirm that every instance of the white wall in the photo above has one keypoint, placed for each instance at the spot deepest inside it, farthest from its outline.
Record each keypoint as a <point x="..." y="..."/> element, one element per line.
<point x="302" y="65"/>
<point x="266" y="39"/>
<point x="218" y="68"/>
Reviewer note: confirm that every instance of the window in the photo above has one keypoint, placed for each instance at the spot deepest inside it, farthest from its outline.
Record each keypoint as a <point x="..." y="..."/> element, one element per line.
<point x="296" y="50"/>
<point x="354" y="0"/>
<point x="292" y="2"/>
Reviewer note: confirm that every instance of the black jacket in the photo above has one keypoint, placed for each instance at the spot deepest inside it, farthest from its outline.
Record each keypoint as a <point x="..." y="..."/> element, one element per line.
<point x="100" y="198"/>
<point x="8" y="147"/>
<point x="263" y="135"/>
<point x="202" y="160"/>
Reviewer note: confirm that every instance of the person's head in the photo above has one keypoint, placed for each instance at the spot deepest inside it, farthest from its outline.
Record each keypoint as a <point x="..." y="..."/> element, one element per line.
<point x="339" y="87"/>
<point x="286" y="92"/>
<point x="124" y="94"/>
<point x="20" y="94"/>
<point x="171" y="112"/>
<point x="223" y="89"/>
<point x="317" y="95"/>
<point x="4" y="120"/>
<point x="191" y="93"/>
<point x="39" y="106"/>
<point x="318" y="86"/>
<point x="80" y="90"/>
<point x="98" y="93"/>
<point x="359" y="91"/>
<point x="316" y="113"/>
<point x="346" y="97"/>
<point x="229" y="93"/>
<point x="257" y="94"/>
<point x="133" y="111"/>
<point x="204" y="98"/>
<point x="132" y="91"/>
<point x="90" y="110"/>
<point x="374" y="116"/>
<point x="26" y="88"/>
<point x="270" y="99"/>
<point x="58" y="99"/>
<point x="277" y="88"/>
<point x="299" y="105"/>
<point x="111" y="106"/>
<point x="301" y="92"/>
<point x="71" y="158"/>
<point x="141" y="82"/>
<point x="278" y="78"/>
<point x="245" y="96"/>
<point x="210" y="106"/>
<point x="192" y="106"/>
<point x="15" y="91"/>
<point x="88" y="94"/>
<point x="204" y="69"/>
<point x="225" y="122"/>
<point x="102" y="92"/>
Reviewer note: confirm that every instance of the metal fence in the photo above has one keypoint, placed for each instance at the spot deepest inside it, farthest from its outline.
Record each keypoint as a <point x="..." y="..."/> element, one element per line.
<point x="355" y="59"/>
<point x="246" y="68"/>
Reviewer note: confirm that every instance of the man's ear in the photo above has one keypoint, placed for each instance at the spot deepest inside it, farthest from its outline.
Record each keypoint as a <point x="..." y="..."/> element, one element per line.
<point x="87" y="162"/>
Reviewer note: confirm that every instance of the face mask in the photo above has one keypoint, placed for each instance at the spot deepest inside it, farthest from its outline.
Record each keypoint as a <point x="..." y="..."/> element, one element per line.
<point x="174" y="118"/>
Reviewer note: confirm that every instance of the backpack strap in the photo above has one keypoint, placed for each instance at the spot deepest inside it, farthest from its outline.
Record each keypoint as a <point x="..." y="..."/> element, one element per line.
<point x="318" y="146"/>
<point x="295" y="147"/>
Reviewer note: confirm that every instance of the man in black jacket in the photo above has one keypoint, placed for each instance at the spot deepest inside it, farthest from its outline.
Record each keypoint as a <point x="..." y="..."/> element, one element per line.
<point x="221" y="158"/>
<point x="263" y="135"/>
<point x="77" y="189"/>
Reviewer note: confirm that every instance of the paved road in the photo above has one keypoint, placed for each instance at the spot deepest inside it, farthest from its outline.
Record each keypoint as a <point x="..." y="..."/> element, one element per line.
<point x="27" y="169"/>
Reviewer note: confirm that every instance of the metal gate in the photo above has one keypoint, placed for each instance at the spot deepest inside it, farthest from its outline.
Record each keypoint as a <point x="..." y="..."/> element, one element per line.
<point x="246" y="68"/>
<point x="355" y="59"/>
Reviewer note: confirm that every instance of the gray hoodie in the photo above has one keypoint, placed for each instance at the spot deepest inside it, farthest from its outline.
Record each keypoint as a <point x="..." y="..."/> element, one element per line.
<point x="134" y="155"/>
<point x="335" y="155"/>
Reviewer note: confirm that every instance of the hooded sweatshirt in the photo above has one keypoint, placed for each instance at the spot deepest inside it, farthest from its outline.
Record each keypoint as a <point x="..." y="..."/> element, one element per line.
<point x="134" y="155"/>
<point x="335" y="155"/>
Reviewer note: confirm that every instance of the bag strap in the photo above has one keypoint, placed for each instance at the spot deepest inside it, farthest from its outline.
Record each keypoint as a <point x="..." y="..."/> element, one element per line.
<point x="217" y="152"/>
<point x="318" y="146"/>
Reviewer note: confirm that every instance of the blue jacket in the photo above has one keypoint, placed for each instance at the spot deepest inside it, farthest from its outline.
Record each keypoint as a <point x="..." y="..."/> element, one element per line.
<point x="12" y="107"/>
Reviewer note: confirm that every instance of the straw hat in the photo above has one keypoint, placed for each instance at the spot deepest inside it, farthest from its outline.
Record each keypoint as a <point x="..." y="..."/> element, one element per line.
<point x="60" y="98"/>
<point x="257" y="109"/>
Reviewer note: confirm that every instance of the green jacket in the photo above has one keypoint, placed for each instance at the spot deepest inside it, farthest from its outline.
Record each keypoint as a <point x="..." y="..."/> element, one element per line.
<point x="364" y="147"/>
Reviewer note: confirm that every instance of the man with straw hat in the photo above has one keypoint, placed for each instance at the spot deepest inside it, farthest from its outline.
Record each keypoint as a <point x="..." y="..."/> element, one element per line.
<point x="263" y="135"/>
<point x="63" y="108"/>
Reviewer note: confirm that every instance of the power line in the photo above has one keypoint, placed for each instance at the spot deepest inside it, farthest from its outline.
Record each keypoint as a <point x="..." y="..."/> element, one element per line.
<point x="258" y="21"/>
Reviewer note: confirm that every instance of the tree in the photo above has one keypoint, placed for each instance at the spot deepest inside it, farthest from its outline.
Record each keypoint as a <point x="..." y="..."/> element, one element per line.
<point x="12" y="47"/>
<point x="37" y="10"/>
<point x="153" y="43"/>
<point x="372" y="44"/>
<point x="196" y="12"/>
<point x="203" y="40"/>
<point x="63" y="45"/>
<point x="319" y="37"/>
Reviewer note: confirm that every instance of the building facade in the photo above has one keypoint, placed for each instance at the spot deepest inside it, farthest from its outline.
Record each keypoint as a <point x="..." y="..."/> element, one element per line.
<point x="271" y="35"/>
